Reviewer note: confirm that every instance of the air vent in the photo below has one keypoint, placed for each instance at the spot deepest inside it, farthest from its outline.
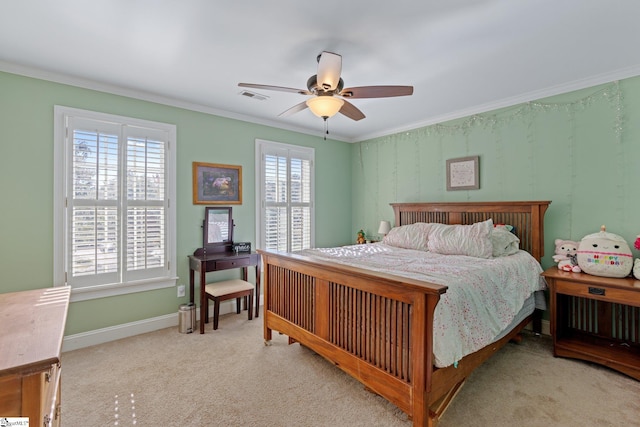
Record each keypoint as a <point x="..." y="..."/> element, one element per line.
<point x="253" y="95"/>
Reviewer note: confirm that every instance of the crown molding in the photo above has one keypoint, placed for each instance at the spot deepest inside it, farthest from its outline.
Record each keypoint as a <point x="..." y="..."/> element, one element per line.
<point x="83" y="83"/>
<point x="623" y="73"/>
<point x="563" y="88"/>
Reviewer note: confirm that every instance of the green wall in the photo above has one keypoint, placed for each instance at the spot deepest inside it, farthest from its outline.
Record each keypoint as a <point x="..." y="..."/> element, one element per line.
<point x="581" y="150"/>
<point x="26" y="176"/>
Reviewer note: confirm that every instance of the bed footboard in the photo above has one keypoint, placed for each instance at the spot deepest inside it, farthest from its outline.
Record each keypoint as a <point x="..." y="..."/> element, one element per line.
<point x="375" y="327"/>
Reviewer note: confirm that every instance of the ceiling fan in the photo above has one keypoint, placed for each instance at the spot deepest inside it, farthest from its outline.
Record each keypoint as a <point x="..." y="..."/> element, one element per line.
<point x="327" y="88"/>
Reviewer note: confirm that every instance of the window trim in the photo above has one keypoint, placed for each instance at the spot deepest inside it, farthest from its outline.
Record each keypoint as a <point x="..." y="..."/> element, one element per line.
<point x="261" y="146"/>
<point x="61" y="171"/>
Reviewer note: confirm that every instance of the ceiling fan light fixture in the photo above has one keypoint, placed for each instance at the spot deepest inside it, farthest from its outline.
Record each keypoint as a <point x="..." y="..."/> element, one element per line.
<point x="325" y="106"/>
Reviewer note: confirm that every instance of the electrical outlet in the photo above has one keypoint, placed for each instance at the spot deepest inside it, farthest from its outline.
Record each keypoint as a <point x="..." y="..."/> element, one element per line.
<point x="180" y="291"/>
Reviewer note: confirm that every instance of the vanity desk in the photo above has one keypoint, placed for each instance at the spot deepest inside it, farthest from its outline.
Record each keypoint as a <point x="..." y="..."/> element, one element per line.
<point x="205" y="263"/>
<point x="217" y="254"/>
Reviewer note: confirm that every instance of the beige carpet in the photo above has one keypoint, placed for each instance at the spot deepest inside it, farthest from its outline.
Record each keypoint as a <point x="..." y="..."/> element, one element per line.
<point x="229" y="377"/>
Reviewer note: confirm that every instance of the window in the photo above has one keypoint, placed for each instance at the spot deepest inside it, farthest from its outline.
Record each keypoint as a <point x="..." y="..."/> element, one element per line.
<point x="114" y="224"/>
<point x="285" y="195"/>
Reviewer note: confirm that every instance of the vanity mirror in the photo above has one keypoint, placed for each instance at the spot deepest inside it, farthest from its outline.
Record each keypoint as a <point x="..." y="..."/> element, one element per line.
<point x="218" y="228"/>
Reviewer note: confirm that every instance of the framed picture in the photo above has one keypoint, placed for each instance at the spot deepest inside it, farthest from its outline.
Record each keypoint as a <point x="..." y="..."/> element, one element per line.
<point x="463" y="173"/>
<point x="217" y="184"/>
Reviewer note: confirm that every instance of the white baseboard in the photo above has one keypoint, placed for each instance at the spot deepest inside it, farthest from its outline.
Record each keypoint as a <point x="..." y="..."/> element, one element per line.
<point x="112" y="333"/>
<point x="125" y="330"/>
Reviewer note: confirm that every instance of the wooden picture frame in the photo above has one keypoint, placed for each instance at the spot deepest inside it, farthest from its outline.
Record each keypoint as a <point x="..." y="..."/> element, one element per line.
<point x="217" y="184"/>
<point x="463" y="173"/>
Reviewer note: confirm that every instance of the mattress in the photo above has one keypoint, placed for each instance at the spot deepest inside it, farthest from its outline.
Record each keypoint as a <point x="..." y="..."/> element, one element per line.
<point x="485" y="297"/>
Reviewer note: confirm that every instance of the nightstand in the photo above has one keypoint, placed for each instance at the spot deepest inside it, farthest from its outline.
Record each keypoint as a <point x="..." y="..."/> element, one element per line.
<point x="596" y="319"/>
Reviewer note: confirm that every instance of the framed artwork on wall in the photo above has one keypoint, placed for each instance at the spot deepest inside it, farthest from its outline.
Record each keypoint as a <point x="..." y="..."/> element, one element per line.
<point x="463" y="173"/>
<point x="217" y="184"/>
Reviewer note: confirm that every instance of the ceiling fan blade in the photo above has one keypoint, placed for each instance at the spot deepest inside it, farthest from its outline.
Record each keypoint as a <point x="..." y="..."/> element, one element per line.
<point x="376" y="91"/>
<point x="329" y="70"/>
<point x="278" y="88"/>
<point x="294" y="109"/>
<point x="350" y="110"/>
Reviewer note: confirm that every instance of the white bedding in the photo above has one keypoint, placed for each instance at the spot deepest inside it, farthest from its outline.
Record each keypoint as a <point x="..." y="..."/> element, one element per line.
<point x="483" y="295"/>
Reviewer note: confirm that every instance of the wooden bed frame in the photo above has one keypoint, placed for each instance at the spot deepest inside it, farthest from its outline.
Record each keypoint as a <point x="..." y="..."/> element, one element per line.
<point x="377" y="327"/>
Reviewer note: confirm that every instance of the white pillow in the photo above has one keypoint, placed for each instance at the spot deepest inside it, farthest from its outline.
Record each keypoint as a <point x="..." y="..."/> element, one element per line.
<point x="471" y="240"/>
<point x="504" y="242"/>
<point x="412" y="236"/>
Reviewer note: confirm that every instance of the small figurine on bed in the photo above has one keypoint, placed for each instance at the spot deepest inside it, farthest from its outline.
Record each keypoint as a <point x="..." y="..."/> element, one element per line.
<point x="361" y="240"/>
<point x="566" y="255"/>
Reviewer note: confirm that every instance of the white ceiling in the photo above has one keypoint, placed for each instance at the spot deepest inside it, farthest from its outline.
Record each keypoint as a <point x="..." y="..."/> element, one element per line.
<point x="461" y="56"/>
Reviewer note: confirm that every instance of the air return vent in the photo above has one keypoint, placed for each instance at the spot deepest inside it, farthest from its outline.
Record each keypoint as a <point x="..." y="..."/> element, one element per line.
<point x="253" y="95"/>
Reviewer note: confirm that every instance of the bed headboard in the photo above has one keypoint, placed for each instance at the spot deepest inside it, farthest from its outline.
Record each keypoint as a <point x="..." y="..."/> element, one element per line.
<point x="526" y="217"/>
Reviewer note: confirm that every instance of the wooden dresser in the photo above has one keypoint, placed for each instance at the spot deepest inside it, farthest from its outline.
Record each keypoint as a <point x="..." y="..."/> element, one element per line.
<point x="596" y="319"/>
<point x="31" y="331"/>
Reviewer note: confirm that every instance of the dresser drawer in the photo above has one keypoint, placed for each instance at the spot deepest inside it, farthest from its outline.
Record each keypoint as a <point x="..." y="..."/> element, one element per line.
<point x="11" y="396"/>
<point x="596" y="292"/>
<point x="234" y="263"/>
<point x="35" y="395"/>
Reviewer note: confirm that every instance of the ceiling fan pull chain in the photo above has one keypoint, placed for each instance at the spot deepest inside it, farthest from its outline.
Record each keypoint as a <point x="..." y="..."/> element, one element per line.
<point x="326" y="128"/>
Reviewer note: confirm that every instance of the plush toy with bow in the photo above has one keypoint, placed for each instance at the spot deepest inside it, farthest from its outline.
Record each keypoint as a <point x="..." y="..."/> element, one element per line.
<point x="636" y="264"/>
<point x="566" y="255"/>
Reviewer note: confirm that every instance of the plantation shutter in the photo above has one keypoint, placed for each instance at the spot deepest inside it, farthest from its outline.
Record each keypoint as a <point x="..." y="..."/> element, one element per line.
<point x="144" y="203"/>
<point x="276" y="195"/>
<point x="116" y="203"/>
<point x="286" y="216"/>
<point x="300" y="203"/>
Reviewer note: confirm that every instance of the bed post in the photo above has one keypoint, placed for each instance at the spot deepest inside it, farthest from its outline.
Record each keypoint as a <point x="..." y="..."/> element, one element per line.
<point x="267" y="333"/>
<point x="422" y="357"/>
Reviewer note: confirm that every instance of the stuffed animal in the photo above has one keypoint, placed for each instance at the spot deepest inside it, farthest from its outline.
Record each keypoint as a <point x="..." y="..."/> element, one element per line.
<point x="566" y="255"/>
<point x="361" y="240"/>
<point x="605" y="254"/>
<point x="636" y="264"/>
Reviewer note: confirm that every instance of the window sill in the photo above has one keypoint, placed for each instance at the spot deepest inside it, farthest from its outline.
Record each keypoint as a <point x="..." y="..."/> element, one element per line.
<point x="115" y="289"/>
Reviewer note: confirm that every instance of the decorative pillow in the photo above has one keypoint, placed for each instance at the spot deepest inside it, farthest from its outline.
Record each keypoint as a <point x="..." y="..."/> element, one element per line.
<point x="471" y="240"/>
<point x="412" y="236"/>
<point x="504" y="242"/>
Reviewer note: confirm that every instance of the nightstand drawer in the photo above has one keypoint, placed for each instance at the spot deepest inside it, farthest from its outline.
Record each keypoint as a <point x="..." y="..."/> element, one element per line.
<point x="234" y="263"/>
<point x="596" y="292"/>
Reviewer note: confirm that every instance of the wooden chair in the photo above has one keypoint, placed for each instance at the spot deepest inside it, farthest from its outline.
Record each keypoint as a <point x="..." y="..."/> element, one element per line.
<point x="228" y="289"/>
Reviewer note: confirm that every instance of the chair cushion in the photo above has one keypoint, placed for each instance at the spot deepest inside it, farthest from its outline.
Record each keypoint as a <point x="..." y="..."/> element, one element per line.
<point x="225" y="287"/>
